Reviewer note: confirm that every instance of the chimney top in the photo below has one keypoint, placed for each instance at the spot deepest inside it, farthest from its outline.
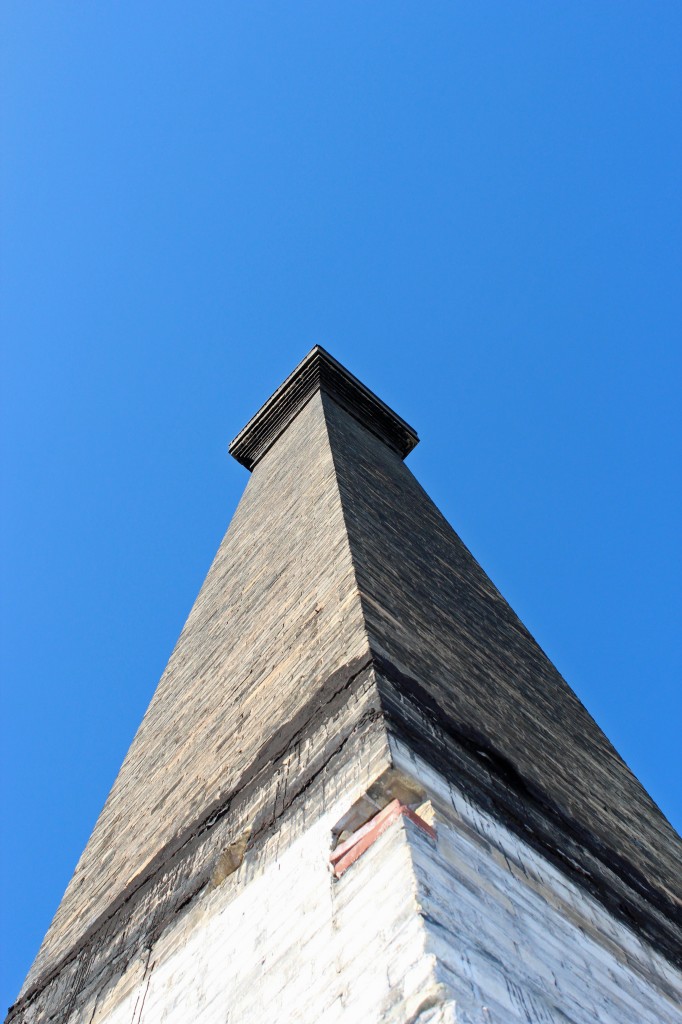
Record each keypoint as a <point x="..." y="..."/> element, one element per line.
<point x="320" y="372"/>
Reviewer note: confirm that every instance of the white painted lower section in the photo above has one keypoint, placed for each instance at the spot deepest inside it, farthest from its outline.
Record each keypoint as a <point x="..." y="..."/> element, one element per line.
<point x="473" y="929"/>
<point x="515" y="940"/>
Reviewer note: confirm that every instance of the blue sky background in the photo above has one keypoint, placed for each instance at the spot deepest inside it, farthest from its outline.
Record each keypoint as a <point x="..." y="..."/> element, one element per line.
<point x="476" y="206"/>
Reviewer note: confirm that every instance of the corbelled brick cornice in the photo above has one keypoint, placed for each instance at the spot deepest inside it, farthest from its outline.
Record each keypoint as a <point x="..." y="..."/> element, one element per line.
<point x="320" y="372"/>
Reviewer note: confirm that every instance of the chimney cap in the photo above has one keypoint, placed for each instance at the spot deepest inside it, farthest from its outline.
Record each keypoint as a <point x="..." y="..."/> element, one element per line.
<point x="319" y="371"/>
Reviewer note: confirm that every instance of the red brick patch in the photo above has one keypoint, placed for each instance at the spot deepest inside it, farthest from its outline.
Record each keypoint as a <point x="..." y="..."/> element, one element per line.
<point x="347" y="852"/>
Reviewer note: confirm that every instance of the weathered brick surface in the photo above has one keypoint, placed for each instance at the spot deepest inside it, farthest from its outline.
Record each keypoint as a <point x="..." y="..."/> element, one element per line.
<point x="342" y="619"/>
<point x="473" y="927"/>
<point x="338" y="762"/>
<point x="514" y="940"/>
<point x="450" y="646"/>
<point x="278" y="615"/>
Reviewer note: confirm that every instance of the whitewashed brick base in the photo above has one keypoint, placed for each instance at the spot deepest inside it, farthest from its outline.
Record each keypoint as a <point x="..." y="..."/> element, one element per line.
<point x="475" y="928"/>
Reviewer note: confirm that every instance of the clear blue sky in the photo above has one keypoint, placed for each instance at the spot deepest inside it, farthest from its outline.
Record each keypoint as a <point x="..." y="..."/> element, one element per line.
<point x="476" y="206"/>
